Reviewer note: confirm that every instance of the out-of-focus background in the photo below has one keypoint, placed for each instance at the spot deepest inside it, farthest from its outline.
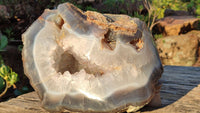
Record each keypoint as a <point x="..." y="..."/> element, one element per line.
<point x="175" y="26"/>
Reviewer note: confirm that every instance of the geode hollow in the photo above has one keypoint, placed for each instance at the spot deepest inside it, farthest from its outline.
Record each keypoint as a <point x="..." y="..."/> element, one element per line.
<point x="91" y="62"/>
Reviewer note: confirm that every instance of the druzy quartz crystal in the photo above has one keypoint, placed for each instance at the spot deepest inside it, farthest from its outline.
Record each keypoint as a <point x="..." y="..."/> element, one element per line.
<point x="91" y="62"/>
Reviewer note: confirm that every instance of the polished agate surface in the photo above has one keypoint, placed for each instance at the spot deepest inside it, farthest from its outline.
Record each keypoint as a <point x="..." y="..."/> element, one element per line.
<point x="91" y="62"/>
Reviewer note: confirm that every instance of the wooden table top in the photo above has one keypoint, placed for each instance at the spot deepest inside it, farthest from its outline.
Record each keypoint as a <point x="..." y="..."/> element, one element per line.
<point x="180" y="93"/>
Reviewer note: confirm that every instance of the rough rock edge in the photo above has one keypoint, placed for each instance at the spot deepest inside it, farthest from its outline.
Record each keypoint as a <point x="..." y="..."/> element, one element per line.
<point x="129" y="108"/>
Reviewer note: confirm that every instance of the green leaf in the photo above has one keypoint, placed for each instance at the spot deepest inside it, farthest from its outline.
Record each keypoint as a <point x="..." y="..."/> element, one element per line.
<point x="90" y="8"/>
<point x="3" y="71"/>
<point x="123" y="11"/>
<point x="198" y="11"/>
<point x="141" y="7"/>
<point x="13" y="78"/>
<point x="20" y="47"/>
<point x="122" y="1"/>
<point x="2" y="83"/>
<point x="3" y="42"/>
<point x="1" y="60"/>
<point x="17" y="92"/>
<point x="25" y="89"/>
<point x="109" y="3"/>
<point x="8" y="75"/>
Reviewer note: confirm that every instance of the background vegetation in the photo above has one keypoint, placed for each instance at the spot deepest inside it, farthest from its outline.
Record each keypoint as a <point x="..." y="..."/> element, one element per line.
<point x="20" y="14"/>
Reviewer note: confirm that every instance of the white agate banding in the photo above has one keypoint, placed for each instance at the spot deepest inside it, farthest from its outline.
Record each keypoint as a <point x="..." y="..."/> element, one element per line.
<point x="90" y="62"/>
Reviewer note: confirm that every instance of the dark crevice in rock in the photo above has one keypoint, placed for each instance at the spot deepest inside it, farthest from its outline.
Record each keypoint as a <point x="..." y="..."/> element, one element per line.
<point x="189" y="27"/>
<point x="105" y="44"/>
<point x="197" y="55"/>
<point x="137" y="41"/>
<point x="69" y="62"/>
<point x="109" y="40"/>
<point x="158" y="29"/>
<point x="109" y="19"/>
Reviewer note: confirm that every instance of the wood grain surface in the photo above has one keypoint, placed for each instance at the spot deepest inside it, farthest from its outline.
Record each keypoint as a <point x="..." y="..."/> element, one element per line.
<point x="180" y="93"/>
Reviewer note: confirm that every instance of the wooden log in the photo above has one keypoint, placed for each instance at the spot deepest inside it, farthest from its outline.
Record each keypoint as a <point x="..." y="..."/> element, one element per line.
<point x="180" y="93"/>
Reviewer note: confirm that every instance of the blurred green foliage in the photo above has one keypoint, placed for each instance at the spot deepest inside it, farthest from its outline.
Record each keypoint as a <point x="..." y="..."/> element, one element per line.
<point x="3" y="42"/>
<point x="157" y="36"/>
<point x="192" y="6"/>
<point x="141" y="17"/>
<point x="90" y="8"/>
<point x="8" y="32"/>
<point x="21" y="91"/>
<point x="8" y="78"/>
<point x="130" y="7"/>
<point x="8" y="75"/>
<point x="162" y="5"/>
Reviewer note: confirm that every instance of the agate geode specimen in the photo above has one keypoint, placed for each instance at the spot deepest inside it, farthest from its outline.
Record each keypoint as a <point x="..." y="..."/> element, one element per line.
<point x="91" y="62"/>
